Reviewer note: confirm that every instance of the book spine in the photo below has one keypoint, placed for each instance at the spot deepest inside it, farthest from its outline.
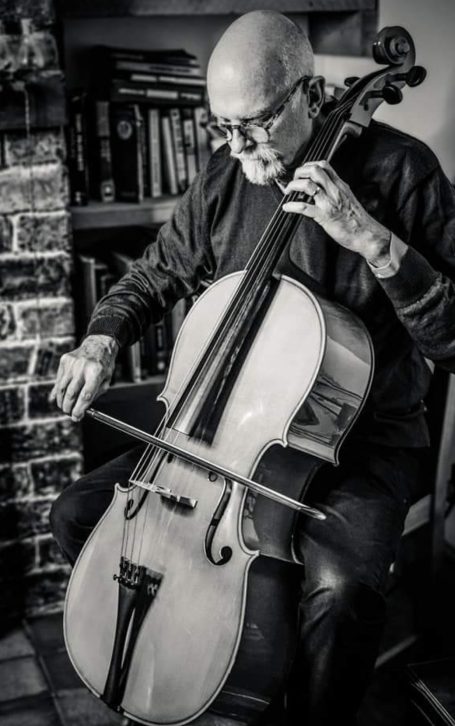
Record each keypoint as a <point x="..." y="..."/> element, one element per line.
<point x="156" y="187"/>
<point x="189" y="143"/>
<point x="158" y="79"/>
<point x="88" y="291"/>
<point x="161" y="347"/>
<point x="177" y="57"/>
<point x="169" y="168"/>
<point x="101" y="175"/>
<point x="162" y="94"/>
<point x="133" y="362"/>
<point x="148" y="352"/>
<point x="145" y="154"/>
<point x="127" y="153"/>
<point x="180" y="161"/>
<point x="77" y="149"/>
<point x="177" y="317"/>
<point x="202" y="139"/>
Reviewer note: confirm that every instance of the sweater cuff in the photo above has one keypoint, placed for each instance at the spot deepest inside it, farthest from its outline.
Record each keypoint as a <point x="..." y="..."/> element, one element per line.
<point x="115" y="327"/>
<point x="412" y="280"/>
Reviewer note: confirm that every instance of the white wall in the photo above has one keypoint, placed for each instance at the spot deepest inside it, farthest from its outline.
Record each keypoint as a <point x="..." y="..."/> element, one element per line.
<point x="427" y="111"/>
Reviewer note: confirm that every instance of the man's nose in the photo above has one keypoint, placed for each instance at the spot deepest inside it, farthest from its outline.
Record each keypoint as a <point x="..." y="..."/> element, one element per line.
<point x="238" y="141"/>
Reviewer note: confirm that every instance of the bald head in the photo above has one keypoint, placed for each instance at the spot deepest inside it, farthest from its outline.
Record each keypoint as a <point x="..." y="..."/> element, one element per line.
<point x="259" y="54"/>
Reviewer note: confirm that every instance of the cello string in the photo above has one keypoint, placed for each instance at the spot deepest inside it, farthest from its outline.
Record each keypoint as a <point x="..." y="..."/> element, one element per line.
<point x="277" y="225"/>
<point x="136" y="475"/>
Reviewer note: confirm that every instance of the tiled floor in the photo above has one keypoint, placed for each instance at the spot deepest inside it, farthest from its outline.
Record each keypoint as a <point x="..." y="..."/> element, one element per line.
<point x="38" y="685"/>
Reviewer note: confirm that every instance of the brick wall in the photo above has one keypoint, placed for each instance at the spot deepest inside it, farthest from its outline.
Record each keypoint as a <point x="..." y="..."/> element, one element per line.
<point x="39" y="448"/>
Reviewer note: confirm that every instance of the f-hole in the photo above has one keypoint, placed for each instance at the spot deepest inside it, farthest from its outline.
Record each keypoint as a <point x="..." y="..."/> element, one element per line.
<point x="225" y="553"/>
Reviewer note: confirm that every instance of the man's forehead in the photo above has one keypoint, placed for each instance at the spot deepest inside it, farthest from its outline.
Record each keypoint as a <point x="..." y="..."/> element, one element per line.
<point x="246" y="100"/>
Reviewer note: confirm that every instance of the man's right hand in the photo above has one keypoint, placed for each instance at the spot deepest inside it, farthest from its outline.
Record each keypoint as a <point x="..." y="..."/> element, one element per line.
<point x="83" y="374"/>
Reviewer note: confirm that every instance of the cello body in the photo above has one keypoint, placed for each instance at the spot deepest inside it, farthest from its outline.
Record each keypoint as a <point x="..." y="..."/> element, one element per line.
<point x="182" y="660"/>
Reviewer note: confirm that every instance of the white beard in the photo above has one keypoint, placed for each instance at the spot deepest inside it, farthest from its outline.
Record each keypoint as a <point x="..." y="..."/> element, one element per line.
<point x="261" y="165"/>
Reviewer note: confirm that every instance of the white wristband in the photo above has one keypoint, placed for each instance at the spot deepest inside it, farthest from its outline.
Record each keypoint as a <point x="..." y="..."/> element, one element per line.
<point x="397" y="250"/>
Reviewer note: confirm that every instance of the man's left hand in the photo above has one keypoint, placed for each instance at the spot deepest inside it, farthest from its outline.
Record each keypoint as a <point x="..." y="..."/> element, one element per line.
<point x="338" y="212"/>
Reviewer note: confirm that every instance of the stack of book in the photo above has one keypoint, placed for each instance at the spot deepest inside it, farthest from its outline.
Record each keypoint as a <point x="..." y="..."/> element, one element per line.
<point x="141" y="131"/>
<point x="151" y="355"/>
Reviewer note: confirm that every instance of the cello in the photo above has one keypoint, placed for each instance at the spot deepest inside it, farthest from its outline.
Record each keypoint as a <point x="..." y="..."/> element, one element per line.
<point x="159" y="602"/>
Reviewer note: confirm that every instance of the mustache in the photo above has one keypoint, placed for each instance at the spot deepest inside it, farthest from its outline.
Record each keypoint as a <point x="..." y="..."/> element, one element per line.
<point x="256" y="153"/>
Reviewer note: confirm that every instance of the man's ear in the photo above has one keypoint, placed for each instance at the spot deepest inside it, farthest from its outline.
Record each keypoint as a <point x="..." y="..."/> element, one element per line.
<point x="315" y="95"/>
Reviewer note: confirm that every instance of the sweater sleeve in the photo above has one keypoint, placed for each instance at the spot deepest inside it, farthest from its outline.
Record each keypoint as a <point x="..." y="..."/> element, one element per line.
<point x="170" y="268"/>
<point x="423" y="290"/>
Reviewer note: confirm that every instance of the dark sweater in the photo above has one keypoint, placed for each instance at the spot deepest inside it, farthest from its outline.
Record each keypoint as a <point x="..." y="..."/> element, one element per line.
<point x="410" y="316"/>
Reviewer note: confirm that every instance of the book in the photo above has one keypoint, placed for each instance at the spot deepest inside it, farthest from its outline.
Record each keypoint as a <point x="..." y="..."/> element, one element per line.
<point x="77" y="148"/>
<point x="136" y="66"/>
<point x="167" y="56"/>
<point x="163" y="94"/>
<point x="179" y="149"/>
<point x="161" y="347"/>
<point x="189" y="142"/>
<point x="202" y="139"/>
<point x="127" y="152"/>
<point x="91" y="280"/>
<point x="154" y="148"/>
<point x="87" y="287"/>
<point x="145" y="154"/>
<point x="178" y="314"/>
<point x="168" y="155"/>
<point x="133" y="367"/>
<point x="148" y="352"/>
<point x="133" y="362"/>
<point x="160" y="79"/>
<point x="101" y="173"/>
<point x="105" y="280"/>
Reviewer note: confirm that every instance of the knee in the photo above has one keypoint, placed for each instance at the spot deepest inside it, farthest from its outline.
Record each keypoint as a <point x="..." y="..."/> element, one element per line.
<point x="348" y="597"/>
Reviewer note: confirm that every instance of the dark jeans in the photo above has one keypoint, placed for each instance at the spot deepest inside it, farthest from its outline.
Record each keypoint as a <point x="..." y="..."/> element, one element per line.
<point x="347" y="558"/>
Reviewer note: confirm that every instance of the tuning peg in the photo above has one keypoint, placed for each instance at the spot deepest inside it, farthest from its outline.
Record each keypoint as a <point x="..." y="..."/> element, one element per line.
<point x="392" y="95"/>
<point x="416" y="76"/>
<point x="350" y="81"/>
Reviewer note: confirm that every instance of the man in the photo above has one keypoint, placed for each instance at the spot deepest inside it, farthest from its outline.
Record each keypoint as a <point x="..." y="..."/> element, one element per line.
<point x="378" y="242"/>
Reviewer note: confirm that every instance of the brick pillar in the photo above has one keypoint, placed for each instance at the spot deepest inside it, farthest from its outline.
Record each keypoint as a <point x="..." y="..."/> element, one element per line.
<point x="40" y="450"/>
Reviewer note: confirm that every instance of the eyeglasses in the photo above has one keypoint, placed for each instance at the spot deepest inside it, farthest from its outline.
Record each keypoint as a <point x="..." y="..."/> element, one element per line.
<point x="257" y="128"/>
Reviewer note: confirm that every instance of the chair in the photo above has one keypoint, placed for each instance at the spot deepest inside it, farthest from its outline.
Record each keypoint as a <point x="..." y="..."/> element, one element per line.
<point x="428" y="512"/>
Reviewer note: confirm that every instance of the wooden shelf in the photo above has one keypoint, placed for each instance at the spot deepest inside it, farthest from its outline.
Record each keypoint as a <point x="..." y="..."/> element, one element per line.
<point x="116" y="8"/>
<point x="98" y="215"/>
